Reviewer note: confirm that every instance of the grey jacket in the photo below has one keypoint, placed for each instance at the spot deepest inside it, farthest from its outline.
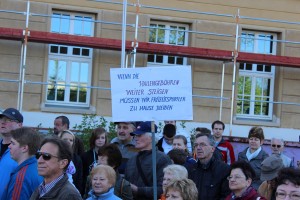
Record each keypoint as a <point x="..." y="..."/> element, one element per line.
<point x="145" y="191"/>
<point x="255" y="164"/>
<point x="62" y="190"/>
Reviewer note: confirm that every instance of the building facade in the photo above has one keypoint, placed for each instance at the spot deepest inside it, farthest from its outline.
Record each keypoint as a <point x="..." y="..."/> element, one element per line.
<point x="75" y="80"/>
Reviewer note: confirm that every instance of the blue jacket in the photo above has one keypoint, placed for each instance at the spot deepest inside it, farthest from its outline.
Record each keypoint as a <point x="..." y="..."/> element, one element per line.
<point x="23" y="181"/>
<point x="7" y="165"/>
<point x="106" y="196"/>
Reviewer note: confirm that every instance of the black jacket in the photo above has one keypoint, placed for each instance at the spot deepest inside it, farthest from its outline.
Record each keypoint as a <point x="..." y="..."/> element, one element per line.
<point x="210" y="179"/>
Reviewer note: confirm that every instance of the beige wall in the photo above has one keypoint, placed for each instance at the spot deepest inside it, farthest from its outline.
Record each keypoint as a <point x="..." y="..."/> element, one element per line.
<point x="206" y="73"/>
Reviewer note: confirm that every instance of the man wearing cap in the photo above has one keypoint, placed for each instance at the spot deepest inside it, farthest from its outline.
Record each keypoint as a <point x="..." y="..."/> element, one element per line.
<point x="10" y="119"/>
<point x="269" y="171"/>
<point x="125" y="142"/>
<point x="277" y="146"/>
<point x="139" y="168"/>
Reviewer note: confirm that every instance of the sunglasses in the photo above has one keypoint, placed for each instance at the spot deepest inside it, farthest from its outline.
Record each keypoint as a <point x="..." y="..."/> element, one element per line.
<point x="46" y="156"/>
<point x="278" y="146"/>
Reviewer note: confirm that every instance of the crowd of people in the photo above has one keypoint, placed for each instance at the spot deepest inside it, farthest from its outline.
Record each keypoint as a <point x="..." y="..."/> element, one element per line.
<point x="33" y="166"/>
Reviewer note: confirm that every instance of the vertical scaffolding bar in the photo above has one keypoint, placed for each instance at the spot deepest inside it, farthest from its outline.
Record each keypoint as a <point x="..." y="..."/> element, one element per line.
<point x="23" y="56"/>
<point x="123" y="34"/>
<point x="222" y="91"/>
<point x="135" y="43"/>
<point x="235" y="54"/>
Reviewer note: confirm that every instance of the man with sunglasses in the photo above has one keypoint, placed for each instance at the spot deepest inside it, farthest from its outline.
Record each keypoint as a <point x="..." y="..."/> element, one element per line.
<point x="277" y="146"/>
<point x="10" y="119"/>
<point x="53" y="160"/>
<point x="25" y="142"/>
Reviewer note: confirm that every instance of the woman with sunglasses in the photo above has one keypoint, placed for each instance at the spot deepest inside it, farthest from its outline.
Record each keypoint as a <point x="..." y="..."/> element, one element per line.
<point x="240" y="179"/>
<point x="74" y="170"/>
<point x="254" y="154"/>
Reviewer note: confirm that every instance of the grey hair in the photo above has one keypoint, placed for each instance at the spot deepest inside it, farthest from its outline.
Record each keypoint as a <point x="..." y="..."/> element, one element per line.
<point x="209" y="137"/>
<point x="178" y="171"/>
<point x="282" y="141"/>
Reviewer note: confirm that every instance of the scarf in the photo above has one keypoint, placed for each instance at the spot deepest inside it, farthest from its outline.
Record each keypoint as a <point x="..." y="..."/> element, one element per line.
<point x="250" y="155"/>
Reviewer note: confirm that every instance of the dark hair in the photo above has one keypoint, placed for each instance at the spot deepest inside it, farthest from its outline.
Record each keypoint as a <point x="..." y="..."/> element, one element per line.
<point x="288" y="174"/>
<point x="209" y="137"/>
<point x="217" y="122"/>
<point x="113" y="153"/>
<point x="245" y="167"/>
<point x="256" y="132"/>
<point x="203" y="130"/>
<point x="95" y="134"/>
<point x="178" y="156"/>
<point x="169" y="130"/>
<point x="64" y="120"/>
<point x="64" y="149"/>
<point x="27" y="136"/>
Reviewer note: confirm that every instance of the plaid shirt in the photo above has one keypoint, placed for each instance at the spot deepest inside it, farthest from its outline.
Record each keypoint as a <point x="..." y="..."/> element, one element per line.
<point x="44" y="188"/>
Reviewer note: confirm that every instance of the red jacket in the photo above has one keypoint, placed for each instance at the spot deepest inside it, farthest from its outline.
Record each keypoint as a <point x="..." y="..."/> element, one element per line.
<point x="227" y="152"/>
<point x="249" y="194"/>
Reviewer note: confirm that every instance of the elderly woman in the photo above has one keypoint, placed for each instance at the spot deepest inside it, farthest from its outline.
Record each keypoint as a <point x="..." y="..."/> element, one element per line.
<point x="184" y="189"/>
<point x="288" y="184"/>
<point x="173" y="172"/>
<point x="240" y="179"/>
<point x="254" y="154"/>
<point x="103" y="181"/>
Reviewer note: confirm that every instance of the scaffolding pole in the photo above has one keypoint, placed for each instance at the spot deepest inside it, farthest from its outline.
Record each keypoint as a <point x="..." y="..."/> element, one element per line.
<point x="124" y="34"/>
<point x="222" y="91"/>
<point x="235" y="55"/>
<point x="23" y="61"/>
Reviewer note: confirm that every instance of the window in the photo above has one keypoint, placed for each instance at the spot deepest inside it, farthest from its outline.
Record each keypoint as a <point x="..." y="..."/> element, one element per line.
<point x="256" y="81"/>
<point x="69" y="67"/>
<point x="172" y="34"/>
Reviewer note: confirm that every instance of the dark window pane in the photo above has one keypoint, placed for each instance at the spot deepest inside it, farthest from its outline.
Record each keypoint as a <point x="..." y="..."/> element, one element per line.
<point x="63" y="50"/>
<point x="171" y="60"/>
<point x="268" y="68"/>
<point x="51" y="92"/>
<point x="180" y="60"/>
<point x="54" y="49"/>
<point x="249" y="67"/>
<point x="151" y="58"/>
<point x="159" y="59"/>
<point x="260" y="68"/>
<point x="82" y="95"/>
<point x="73" y="94"/>
<point x="61" y="93"/>
<point x="85" y="52"/>
<point x="242" y="67"/>
<point x="76" y="51"/>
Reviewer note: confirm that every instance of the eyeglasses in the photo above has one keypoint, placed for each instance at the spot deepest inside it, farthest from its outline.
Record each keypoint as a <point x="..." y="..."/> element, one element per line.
<point x="46" y="156"/>
<point x="235" y="177"/>
<point x="274" y="145"/>
<point x="293" y="196"/>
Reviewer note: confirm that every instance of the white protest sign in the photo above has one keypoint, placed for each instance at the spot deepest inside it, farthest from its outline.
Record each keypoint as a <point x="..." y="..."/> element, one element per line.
<point x="151" y="93"/>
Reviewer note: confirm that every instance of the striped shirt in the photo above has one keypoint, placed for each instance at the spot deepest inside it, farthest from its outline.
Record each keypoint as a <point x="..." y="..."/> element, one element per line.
<point x="45" y="188"/>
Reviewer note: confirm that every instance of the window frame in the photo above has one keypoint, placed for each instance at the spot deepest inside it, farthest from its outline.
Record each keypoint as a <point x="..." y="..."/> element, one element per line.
<point x="69" y="58"/>
<point x="167" y="29"/>
<point x="255" y="74"/>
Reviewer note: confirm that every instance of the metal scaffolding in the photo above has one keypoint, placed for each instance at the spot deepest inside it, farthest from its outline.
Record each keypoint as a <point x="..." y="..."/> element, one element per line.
<point x="133" y="47"/>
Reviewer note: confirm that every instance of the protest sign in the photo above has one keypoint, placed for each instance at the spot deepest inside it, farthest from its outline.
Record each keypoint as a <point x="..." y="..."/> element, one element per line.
<point x="151" y="93"/>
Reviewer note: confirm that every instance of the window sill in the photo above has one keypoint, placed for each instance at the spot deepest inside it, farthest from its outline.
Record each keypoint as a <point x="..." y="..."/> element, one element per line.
<point x="68" y="109"/>
<point x="257" y="122"/>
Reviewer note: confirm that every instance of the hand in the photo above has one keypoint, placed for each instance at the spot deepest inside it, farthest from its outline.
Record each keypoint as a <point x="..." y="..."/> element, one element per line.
<point x="134" y="188"/>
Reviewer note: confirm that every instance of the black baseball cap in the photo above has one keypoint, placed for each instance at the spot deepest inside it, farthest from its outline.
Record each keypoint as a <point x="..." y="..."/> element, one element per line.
<point x="13" y="114"/>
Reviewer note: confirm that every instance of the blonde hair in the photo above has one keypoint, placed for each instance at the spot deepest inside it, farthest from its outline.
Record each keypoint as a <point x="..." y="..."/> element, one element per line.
<point x="178" y="171"/>
<point x="186" y="187"/>
<point x="107" y="170"/>
<point x="62" y="133"/>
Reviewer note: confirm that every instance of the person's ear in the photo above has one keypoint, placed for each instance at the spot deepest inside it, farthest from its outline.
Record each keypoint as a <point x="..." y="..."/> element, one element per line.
<point x="63" y="163"/>
<point x="25" y="148"/>
<point x="261" y="142"/>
